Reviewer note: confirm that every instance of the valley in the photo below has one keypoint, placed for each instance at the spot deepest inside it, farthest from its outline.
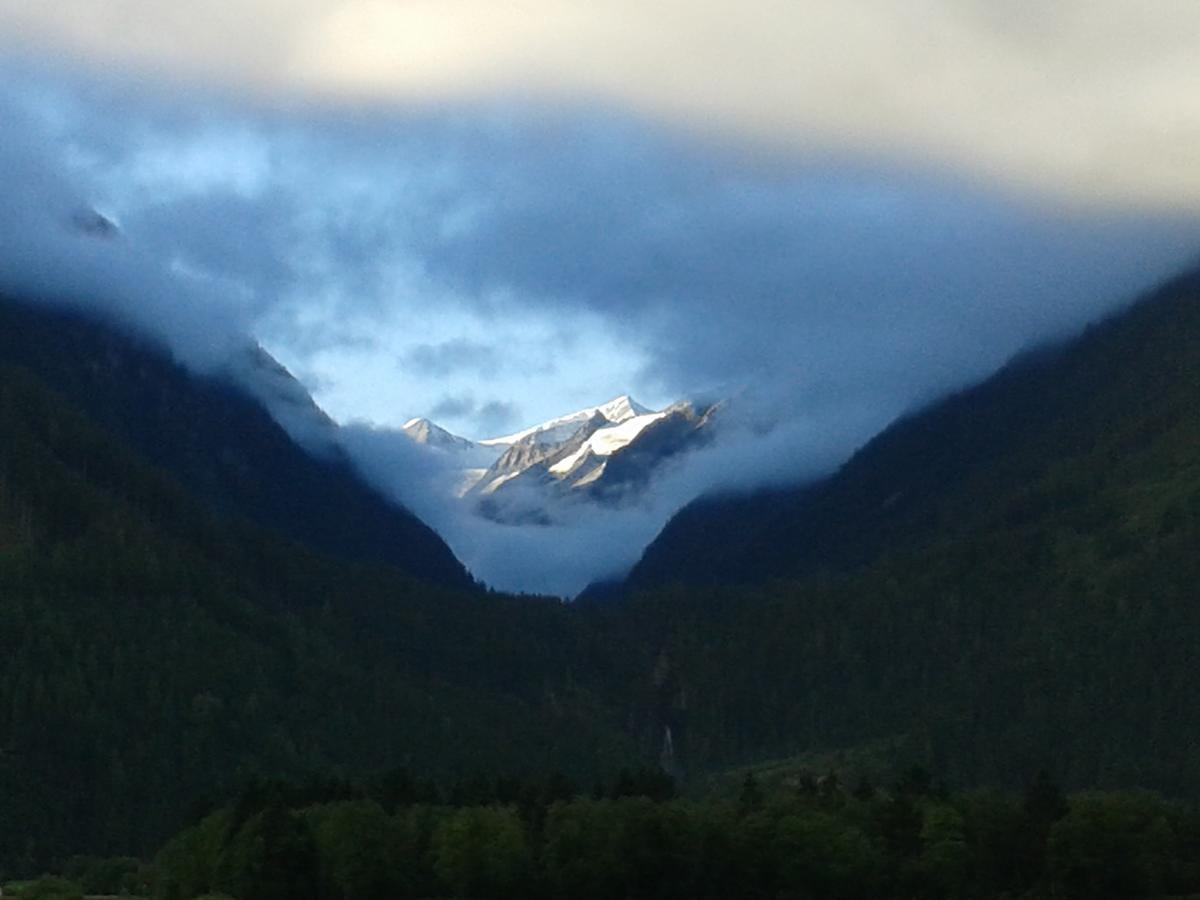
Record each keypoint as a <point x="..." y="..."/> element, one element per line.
<point x="1020" y="584"/>
<point x="627" y="451"/>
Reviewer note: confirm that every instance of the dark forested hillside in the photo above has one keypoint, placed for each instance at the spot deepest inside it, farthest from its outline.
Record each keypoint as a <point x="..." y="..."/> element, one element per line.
<point x="1119" y="388"/>
<point x="1006" y="581"/>
<point x="153" y="653"/>
<point x="218" y="442"/>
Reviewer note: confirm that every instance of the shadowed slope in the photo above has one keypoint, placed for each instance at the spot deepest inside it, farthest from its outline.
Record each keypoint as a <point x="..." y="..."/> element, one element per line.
<point x="219" y="442"/>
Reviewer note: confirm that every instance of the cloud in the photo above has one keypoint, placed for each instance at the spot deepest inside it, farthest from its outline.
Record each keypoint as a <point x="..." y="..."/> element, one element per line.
<point x="476" y="259"/>
<point x="454" y="408"/>
<point x="1095" y="98"/>
<point x="453" y="356"/>
<point x="44" y="254"/>
<point x="491" y="417"/>
<point x="497" y="415"/>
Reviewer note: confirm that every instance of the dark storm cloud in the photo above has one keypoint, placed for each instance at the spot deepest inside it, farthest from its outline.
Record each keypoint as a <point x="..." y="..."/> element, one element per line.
<point x="1103" y="95"/>
<point x="488" y="417"/>
<point x="454" y="356"/>
<point x="496" y="416"/>
<point x="453" y="408"/>
<point x="512" y="250"/>
<point x="833" y="278"/>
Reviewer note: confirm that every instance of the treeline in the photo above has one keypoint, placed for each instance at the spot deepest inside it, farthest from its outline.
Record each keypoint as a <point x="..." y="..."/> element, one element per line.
<point x="819" y="839"/>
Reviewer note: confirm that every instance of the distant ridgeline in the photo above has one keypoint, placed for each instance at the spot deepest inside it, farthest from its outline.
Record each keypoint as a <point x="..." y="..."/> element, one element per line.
<point x="1002" y="583"/>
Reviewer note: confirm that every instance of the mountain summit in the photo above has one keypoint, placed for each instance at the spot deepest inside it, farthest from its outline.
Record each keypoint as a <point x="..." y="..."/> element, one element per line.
<point x="603" y="454"/>
<point x="617" y="410"/>
<point x="423" y="431"/>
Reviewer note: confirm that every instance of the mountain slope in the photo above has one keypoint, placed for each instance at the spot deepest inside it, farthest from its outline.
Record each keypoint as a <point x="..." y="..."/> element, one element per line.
<point x="1004" y="582"/>
<point x="156" y="654"/>
<point x="920" y="475"/>
<point x="219" y="441"/>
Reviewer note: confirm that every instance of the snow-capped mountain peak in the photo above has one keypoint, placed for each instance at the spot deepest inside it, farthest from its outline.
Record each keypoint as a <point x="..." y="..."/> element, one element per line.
<point x="422" y="431"/>
<point x="622" y="408"/>
<point x="473" y="460"/>
<point x="604" y="454"/>
<point x="560" y="429"/>
<point x="607" y="441"/>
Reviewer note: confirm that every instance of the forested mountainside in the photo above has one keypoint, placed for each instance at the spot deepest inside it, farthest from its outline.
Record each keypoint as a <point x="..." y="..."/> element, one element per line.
<point x="1121" y="390"/>
<point x="155" y="653"/>
<point x="1022" y="594"/>
<point x="1008" y="580"/>
<point x="218" y="441"/>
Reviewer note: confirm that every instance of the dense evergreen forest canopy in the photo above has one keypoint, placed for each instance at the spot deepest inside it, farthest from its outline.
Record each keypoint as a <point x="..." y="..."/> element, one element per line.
<point x="1003" y="583"/>
<point x="818" y="839"/>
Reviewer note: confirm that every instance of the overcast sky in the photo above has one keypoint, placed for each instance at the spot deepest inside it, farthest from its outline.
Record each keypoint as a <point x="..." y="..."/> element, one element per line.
<point x="1098" y="96"/>
<point x="494" y="213"/>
